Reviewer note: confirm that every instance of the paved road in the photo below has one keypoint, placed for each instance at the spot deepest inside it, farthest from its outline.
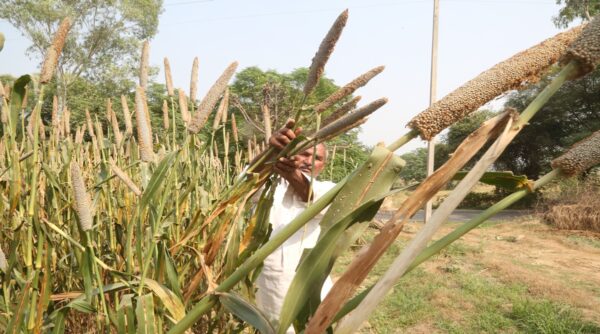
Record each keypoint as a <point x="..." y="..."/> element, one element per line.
<point x="461" y="215"/>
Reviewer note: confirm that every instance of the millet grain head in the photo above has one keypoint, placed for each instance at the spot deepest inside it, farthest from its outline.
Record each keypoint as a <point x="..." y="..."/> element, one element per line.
<point x="144" y="64"/>
<point x="89" y="123"/>
<point x="168" y="78"/>
<point x="194" y="82"/>
<point x="225" y="106"/>
<point x="349" y="119"/>
<point x="144" y="130"/>
<point x="83" y="203"/>
<point x="234" y="128"/>
<point x="317" y="67"/>
<point x="211" y="98"/>
<point x="582" y="156"/>
<point x="524" y="67"/>
<point x="126" y="116"/>
<point x="341" y="111"/>
<point x="348" y="89"/>
<point x="125" y="178"/>
<point x="3" y="262"/>
<point x="183" y="106"/>
<point x="586" y="48"/>
<point x="55" y="50"/>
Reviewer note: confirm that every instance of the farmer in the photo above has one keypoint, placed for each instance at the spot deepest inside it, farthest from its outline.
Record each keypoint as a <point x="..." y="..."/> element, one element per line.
<point x="292" y="195"/>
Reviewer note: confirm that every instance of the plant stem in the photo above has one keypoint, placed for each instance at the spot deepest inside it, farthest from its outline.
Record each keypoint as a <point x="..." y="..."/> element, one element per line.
<point x="403" y="140"/>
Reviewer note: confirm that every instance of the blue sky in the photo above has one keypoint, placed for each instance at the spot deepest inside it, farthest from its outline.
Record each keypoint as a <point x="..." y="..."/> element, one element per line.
<point x="283" y="35"/>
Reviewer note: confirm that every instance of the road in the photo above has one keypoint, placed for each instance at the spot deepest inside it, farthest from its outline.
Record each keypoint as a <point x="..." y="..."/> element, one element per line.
<point x="461" y="215"/>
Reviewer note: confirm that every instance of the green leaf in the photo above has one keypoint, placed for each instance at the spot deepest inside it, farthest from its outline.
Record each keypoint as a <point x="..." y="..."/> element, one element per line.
<point x="144" y="313"/>
<point x="126" y="308"/>
<point x="82" y="305"/>
<point x="506" y="180"/>
<point x="246" y="311"/>
<point x="16" y="100"/>
<point x="172" y="275"/>
<point x="157" y="178"/>
<point x="59" y="323"/>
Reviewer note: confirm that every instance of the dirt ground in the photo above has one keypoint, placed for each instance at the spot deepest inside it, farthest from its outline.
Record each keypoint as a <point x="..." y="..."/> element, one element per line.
<point x="554" y="264"/>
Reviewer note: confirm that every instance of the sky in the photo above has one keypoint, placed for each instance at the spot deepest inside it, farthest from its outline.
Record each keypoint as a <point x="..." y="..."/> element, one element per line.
<point x="283" y="35"/>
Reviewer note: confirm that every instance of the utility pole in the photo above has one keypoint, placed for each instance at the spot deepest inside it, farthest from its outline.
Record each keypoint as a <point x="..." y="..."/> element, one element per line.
<point x="432" y="97"/>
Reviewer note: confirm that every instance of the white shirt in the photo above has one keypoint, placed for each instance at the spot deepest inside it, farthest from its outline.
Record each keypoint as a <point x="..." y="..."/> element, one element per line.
<point x="279" y="268"/>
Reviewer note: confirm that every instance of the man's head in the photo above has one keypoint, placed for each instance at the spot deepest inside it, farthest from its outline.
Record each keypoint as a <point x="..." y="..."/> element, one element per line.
<point x="305" y="159"/>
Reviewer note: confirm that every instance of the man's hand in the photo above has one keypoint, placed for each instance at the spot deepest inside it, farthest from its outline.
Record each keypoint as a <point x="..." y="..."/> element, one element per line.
<point x="289" y="168"/>
<point x="280" y="139"/>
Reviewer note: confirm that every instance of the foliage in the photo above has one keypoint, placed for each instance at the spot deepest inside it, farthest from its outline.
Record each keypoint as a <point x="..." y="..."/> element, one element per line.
<point x="280" y="92"/>
<point x="416" y="165"/>
<point x="103" y="43"/>
<point x="575" y="9"/>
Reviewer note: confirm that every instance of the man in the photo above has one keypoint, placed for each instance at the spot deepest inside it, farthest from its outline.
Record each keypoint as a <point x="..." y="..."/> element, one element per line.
<point x="292" y="195"/>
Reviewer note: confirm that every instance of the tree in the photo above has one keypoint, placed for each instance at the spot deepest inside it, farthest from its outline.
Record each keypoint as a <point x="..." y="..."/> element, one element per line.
<point x="416" y="165"/>
<point x="282" y="94"/>
<point x="104" y="40"/>
<point x="575" y="9"/>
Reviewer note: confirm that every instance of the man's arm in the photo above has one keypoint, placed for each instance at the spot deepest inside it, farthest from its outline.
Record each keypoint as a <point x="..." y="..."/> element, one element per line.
<point x="289" y="168"/>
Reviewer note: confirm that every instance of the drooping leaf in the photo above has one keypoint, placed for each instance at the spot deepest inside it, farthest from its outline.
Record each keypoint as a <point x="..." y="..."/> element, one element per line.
<point x="172" y="276"/>
<point x="167" y="297"/>
<point x="82" y="305"/>
<point x="247" y="312"/>
<point x="16" y="100"/>
<point x="157" y="179"/>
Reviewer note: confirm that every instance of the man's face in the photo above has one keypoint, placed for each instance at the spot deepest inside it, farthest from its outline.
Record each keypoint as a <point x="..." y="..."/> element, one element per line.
<point x="306" y="159"/>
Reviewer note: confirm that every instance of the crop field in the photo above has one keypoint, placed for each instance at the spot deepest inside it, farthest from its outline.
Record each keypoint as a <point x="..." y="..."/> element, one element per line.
<point x="122" y="224"/>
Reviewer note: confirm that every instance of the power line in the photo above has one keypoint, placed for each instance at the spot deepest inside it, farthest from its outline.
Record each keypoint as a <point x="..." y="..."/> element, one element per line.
<point x="308" y="11"/>
<point x="191" y="2"/>
<point x="322" y="10"/>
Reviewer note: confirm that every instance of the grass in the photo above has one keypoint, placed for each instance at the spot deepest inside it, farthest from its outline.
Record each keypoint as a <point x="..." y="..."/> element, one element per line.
<point x="549" y="317"/>
<point x="455" y="293"/>
<point x="585" y="241"/>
